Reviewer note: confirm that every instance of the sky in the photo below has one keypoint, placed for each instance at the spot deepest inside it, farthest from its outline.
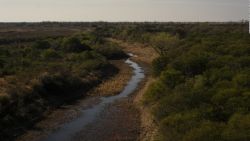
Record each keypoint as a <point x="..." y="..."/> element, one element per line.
<point x="123" y="10"/>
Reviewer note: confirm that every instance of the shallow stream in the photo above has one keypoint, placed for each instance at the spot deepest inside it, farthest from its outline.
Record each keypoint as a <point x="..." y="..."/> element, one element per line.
<point x="68" y="130"/>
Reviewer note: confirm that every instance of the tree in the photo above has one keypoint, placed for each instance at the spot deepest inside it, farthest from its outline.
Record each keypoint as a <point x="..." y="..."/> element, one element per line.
<point x="50" y="54"/>
<point x="73" y="44"/>
<point x="171" y="77"/>
<point x="159" y="64"/>
<point x="162" y="42"/>
<point x="238" y="128"/>
<point x="41" y="44"/>
<point x="207" y="131"/>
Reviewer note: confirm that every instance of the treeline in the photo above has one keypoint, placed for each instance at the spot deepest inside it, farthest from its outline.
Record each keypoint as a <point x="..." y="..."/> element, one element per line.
<point x="44" y="74"/>
<point x="202" y="92"/>
<point x="142" y="32"/>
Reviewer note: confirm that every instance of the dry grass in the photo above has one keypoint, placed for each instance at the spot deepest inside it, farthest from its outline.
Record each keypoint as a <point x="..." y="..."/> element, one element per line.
<point x="116" y="84"/>
<point x="143" y="54"/>
<point x="148" y="127"/>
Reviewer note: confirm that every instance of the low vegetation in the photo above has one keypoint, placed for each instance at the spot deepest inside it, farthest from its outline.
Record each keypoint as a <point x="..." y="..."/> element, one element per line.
<point x="202" y="87"/>
<point x="41" y="75"/>
<point x="203" y="79"/>
<point x="202" y="82"/>
<point x="202" y="91"/>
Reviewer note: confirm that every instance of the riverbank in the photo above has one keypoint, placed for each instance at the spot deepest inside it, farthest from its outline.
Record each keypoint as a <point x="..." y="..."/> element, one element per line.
<point x="90" y="115"/>
<point x="120" y="120"/>
<point x="54" y="120"/>
<point x="116" y="84"/>
<point x="144" y="55"/>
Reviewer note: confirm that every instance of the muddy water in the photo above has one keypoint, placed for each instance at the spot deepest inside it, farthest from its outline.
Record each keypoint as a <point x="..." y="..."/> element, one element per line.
<point x="67" y="131"/>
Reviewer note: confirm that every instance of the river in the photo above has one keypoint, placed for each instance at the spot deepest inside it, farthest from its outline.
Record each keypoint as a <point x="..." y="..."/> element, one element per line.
<point x="70" y="129"/>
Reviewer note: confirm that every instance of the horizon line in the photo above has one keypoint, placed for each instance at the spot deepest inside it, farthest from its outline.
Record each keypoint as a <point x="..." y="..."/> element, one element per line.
<point x="103" y="21"/>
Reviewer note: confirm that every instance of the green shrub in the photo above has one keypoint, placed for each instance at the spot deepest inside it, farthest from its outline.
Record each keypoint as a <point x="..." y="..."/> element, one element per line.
<point x="111" y="51"/>
<point x="192" y="63"/>
<point x="242" y="80"/>
<point x="73" y="44"/>
<point x="206" y="131"/>
<point x="162" y="42"/>
<point x="50" y="54"/>
<point x="86" y="55"/>
<point x="238" y="128"/>
<point x="155" y="92"/>
<point x="159" y="64"/>
<point x="41" y="44"/>
<point x="60" y="85"/>
<point x="175" y="126"/>
<point x="171" y="77"/>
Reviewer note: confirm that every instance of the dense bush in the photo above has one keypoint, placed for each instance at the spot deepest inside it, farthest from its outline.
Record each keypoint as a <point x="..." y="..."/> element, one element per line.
<point x="162" y="42"/>
<point x="202" y="91"/>
<point x="42" y="44"/>
<point x="50" y="54"/>
<point x="159" y="64"/>
<point x="111" y="51"/>
<point x="73" y="44"/>
<point x="60" y="84"/>
<point x="43" y="75"/>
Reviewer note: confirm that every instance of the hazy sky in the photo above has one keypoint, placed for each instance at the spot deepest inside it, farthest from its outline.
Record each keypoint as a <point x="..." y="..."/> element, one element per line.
<point x="123" y="10"/>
